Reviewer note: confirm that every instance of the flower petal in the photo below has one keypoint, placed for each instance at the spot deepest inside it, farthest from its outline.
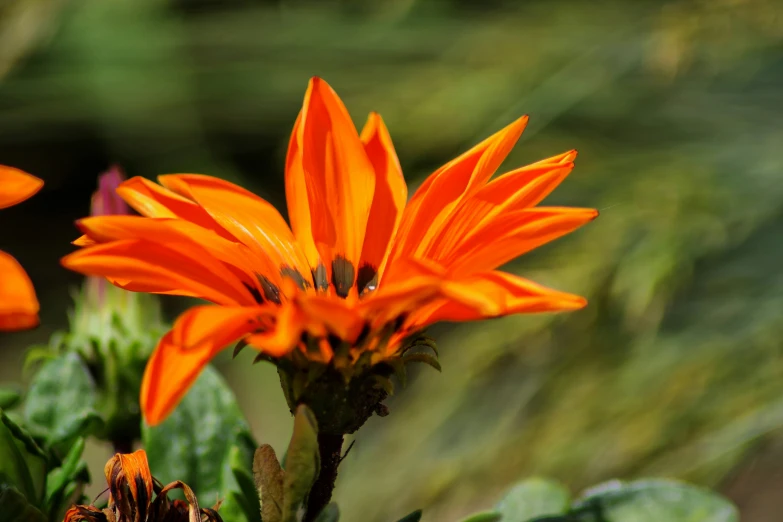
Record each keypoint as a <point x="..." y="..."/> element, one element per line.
<point x="339" y="177"/>
<point x="297" y="200"/>
<point x="421" y="284"/>
<point x="18" y="304"/>
<point x="16" y="186"/>
<point x="181" y="270"/>
<point x="151" y="200"/>
<point x="324" y="315"/>
<point x="389" y="199"/>
<point x="513" y="234"/>
<point x="197" y="336"/>
<point x="169" y="232"/>
<point x="494" y="294"/>
<point x="249" y="218"/>
<point x="516" y="190"/>
<point x="285" y="334"/>
<point x="441" y="193"/>
<point x="130" y="472"/>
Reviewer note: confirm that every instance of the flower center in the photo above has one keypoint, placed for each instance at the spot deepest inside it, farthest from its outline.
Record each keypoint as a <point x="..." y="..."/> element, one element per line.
<point x="344" y="277"/>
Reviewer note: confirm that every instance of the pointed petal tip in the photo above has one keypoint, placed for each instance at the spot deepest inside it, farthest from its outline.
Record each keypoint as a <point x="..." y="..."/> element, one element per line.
<point x="17" y="186"/>
<point x="316" y="82"/>
<point x="574" y="302"/>
<point x="83" y="241"/>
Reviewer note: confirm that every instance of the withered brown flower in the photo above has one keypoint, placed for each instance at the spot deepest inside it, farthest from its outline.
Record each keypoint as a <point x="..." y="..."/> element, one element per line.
<point x="132" y="487"/>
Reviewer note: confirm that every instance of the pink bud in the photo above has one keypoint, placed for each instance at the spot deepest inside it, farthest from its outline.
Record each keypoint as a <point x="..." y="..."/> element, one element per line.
<point x="105" y="200"/>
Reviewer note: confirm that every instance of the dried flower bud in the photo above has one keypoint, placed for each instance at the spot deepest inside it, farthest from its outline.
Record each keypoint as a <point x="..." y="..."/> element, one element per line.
<point x="135" y="496"/>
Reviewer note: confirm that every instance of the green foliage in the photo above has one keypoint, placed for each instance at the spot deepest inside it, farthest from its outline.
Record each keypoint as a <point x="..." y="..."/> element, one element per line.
<point x="62" y="484"/>
<point x="540" y="500"/>
<point x="9" y="397"/>
<point x="205" y="443"/>
<point x="656" y="500"/>
<point x="412" y="517"/>
<point x="33" y="480"/>
<point x="14" y="506"/>
<point x="302" y="463"/>
<point x="534" y="498"/>
<point x="60" y="405"/>
<point x="486" y="516"/>
<point x="22" y="461"/>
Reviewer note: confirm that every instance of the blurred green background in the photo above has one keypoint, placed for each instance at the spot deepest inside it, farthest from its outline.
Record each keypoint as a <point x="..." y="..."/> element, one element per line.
<point x="675" y="368"/>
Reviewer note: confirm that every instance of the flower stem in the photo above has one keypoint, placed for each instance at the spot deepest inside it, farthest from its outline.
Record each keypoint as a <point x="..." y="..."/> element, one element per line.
<point x="330" y="448"/>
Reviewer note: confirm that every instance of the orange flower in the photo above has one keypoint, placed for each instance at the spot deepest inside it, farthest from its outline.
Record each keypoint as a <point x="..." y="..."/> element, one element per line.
<point x="358" y="272"/>
<point x="18" y="304"/>
<point x="131" y="499"/>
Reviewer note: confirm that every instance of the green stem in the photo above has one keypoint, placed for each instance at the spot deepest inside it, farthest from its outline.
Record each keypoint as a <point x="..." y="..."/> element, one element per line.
<point x="330" y="449"/>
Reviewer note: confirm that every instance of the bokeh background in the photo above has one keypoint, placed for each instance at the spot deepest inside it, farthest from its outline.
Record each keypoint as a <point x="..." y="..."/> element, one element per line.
<point x="675" y="368"/>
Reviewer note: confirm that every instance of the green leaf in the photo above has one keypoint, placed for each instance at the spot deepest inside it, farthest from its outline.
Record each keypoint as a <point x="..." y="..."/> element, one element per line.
<point x="413" y="517"/>
<point x="533" y="498"/>
<point x="302" y="463"/>
<point x="203" y="443"/>
<point x="331" y="513"/>
<point x="657" y="500"/>
<point x="60" y="405"/>
<point x="268" y="478"/>
<point x="246" y="497"/>
<point x="485" y="516"/>
<point x="14" y="506"/>
<point x="22" y="462"/>
<point x="58" y="480"/>
<point x="9" y="397"/>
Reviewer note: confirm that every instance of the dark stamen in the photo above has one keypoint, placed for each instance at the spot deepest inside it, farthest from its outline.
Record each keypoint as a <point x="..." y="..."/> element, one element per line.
<point x="319" y="278"/>
<point x="343" y="276"/>
<point x="334" y="342"/>
<point x="399" y="321"/>
<point x="256" y="294"/>
<point x="293" y="273"/>
<point x="363" y="335"/>
<point x="366" y="279"/>
<point x="271" y="292"/>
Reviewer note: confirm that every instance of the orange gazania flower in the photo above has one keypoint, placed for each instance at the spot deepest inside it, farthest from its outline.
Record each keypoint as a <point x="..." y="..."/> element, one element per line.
<point x="18" y="304"/>
<point x="359" y="270"/>
<point x="135" y="496"/>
